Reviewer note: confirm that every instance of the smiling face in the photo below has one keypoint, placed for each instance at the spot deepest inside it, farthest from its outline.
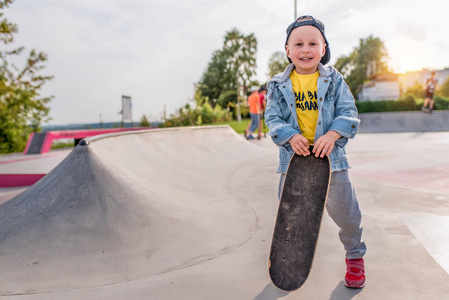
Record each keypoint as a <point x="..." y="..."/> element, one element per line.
<point x="305" y="47"/>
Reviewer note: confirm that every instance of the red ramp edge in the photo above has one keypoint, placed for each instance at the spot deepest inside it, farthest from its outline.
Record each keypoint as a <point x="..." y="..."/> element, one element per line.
<point x="40" y="142"/>
<point x="16" y="180"/>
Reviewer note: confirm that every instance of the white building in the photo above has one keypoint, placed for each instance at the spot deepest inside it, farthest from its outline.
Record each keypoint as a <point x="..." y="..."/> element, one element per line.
<point x="380" y="86"/>
<point x="410" y="78"/>
<point x="388" y="86"/>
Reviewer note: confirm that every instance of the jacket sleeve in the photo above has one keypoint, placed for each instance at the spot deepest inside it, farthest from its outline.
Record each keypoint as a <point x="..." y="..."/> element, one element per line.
<point x="346" y="122"/>
<point x="276" y="118"/>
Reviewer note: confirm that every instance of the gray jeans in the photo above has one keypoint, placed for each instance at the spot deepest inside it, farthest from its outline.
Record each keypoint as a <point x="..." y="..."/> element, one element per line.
<point x="254" y="122"/>
<point x="343" y="207"/>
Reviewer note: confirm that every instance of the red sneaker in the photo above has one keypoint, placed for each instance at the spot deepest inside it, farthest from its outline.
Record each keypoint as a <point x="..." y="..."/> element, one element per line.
<point x="355" y="275"/>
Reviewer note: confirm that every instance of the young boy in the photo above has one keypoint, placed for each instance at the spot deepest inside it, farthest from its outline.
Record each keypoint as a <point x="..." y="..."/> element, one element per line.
<point x="310" y="104"/>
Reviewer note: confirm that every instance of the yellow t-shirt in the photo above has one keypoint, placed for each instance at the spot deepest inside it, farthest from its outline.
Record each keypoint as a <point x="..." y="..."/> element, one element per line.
<point x="305" y="89"/>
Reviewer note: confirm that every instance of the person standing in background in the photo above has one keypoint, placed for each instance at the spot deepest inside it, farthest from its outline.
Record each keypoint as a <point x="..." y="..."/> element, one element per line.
<point x="431" y="86"/>
<point x="254" y="111"/>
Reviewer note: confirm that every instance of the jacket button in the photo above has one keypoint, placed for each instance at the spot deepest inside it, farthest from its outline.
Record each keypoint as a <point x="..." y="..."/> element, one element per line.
<point x="321" y="98"/>
<point x="275" y="136"/>
<point x="319" y="123"/>
<point x="325" y="81"/>
<point x="353" y="126"/>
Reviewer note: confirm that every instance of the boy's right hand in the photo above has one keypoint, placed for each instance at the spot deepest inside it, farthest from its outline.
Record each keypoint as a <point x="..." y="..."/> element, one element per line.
<point x="299" y="144"/>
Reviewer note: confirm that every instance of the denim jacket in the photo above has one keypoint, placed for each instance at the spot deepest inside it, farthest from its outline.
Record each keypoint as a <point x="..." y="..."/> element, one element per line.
<point x="336" y="111"/>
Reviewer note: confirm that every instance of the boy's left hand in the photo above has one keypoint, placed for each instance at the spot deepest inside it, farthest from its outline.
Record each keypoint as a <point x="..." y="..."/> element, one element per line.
<point x="325" y="144"/>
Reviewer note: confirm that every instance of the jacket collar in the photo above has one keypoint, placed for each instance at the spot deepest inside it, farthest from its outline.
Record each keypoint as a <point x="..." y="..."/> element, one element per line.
<point x="282" y="77"/>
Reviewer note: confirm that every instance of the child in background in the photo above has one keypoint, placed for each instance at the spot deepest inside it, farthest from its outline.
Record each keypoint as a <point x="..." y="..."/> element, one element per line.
<point x="262" y="94"/>
<point x="254" y="111"/>
<point x="431" y="85"/>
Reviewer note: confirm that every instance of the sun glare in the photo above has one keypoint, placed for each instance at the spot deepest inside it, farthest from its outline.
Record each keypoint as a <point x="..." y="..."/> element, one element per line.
<point x="404" y="65"/>
<point x="409" y="58"/>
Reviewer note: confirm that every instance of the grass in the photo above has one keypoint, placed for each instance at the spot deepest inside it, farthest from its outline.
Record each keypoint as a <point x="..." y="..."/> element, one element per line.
<point x="239" y="127"/>
<point x="62" y="145"/>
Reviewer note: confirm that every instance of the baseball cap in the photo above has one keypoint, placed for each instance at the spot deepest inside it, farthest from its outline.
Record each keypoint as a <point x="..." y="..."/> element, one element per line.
<point x="254" y="88"/>
<point x="309" y="20"/>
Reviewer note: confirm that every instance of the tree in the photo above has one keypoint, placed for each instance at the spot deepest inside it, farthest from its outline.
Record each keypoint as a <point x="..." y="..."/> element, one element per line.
<point x="144" y="121"/>
<point x="416" y="89"/>
<point x="22" y="108"/>
<point x="214" y="80"/>
<point x="367" y="59"/>
<point x="240" y="52"/>
<point x="230" y="70"/>
<point x="443" y="90"/>
<point x="277" y="63"/>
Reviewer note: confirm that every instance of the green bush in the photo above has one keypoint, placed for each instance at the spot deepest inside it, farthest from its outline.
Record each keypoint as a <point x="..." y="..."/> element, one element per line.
<point x="408" y="103"/>
<point x="440" y="103"/>
<point x="416" y="89"/>
<point x="201" y="115"/>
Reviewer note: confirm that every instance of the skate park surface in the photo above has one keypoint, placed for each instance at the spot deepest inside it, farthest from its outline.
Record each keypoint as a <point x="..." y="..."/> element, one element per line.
<point x="189" y="213"/>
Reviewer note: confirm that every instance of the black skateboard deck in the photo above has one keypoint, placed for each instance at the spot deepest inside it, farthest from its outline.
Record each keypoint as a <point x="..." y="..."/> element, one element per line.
<point x="298" y="220"/>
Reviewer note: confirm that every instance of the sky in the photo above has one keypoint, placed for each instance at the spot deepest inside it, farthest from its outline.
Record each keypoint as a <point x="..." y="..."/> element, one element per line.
<point x="155" y="51"/>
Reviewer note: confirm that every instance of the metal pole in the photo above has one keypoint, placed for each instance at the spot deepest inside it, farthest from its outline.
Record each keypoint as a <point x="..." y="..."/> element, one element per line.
<point x="295" y="10"/>
<point x="239" y="116"/>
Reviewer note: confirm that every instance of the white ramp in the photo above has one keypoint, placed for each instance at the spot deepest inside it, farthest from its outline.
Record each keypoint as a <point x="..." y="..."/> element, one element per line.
<point x="125" y="207"/>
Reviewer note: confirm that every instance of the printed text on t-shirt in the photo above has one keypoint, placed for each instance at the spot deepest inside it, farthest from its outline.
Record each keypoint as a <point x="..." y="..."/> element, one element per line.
<point x="306" y="103"/>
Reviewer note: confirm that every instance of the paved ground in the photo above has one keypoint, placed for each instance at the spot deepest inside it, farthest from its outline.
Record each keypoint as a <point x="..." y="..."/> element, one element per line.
<point x="404" y="121"/>
<point x="188" y="214"/>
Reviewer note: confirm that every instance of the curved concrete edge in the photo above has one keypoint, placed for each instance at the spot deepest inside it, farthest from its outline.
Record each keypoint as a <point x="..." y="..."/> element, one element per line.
<point x="161" y="130"/>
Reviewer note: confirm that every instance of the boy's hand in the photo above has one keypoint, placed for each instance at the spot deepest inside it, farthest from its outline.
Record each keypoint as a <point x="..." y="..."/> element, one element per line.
<point x="299" y="144"/>
<point x="324" y="145"/>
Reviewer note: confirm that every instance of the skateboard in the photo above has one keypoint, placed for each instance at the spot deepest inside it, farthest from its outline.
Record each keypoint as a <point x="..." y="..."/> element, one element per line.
<point x="298" y="220"/>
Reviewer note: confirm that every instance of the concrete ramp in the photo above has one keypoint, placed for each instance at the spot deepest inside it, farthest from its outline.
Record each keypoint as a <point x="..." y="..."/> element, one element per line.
<point x="124" y="207"/>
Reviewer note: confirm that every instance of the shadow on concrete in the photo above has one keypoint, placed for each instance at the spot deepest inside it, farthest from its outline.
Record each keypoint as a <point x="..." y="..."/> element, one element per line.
<point x="341" y="292"/>
<point x="270" y="292"/>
